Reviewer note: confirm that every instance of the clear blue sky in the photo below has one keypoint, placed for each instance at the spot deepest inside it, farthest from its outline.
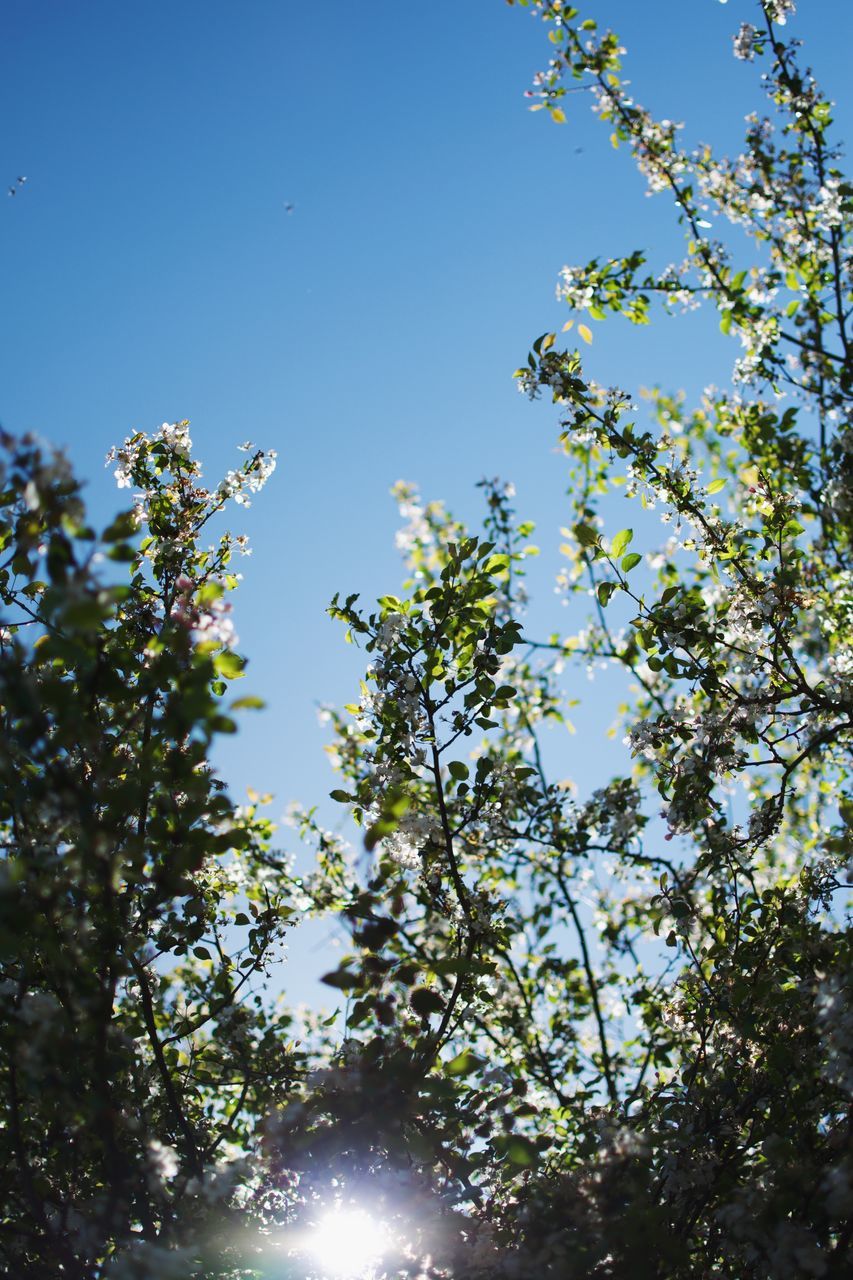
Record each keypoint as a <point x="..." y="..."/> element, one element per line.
<point x="150" y="270"/>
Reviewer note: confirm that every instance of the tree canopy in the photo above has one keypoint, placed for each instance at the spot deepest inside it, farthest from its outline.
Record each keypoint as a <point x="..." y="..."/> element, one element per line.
<point x="576" y="1035"/>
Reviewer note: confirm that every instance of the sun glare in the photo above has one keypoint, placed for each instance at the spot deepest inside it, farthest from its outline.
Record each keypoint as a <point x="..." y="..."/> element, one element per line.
<point x="347" y="1243"/>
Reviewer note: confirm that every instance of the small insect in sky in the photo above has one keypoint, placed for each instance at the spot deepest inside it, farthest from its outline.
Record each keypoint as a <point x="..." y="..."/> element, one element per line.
<point x="288" y="208"/>
<point x="19" y="182"/>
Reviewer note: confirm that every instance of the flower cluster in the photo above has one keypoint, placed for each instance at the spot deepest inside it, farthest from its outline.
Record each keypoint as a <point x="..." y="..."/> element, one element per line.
<point x="744" y="42"/>
<point x="206" y="615"/>
<point x="249" y="479"/>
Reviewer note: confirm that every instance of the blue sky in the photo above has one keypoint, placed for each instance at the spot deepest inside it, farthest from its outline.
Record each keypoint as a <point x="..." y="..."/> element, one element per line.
<point x="151" y="271"/>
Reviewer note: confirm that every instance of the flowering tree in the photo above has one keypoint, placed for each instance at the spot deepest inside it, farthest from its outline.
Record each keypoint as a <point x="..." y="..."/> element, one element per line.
<point x="623" y="1022"/>
<point x="603" y="1035"/>
<point x="138" y="907"/>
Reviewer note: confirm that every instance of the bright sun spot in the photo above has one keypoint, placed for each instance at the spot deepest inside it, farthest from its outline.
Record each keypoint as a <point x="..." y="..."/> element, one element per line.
<point x="347" y="1243"/>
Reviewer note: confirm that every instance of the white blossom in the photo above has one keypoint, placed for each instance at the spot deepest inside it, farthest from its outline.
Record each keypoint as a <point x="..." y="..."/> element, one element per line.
<point x="744" y="42"/>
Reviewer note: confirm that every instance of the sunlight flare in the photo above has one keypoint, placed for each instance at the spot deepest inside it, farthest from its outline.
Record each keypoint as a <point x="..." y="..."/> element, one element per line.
<point x="347" y="1243"/>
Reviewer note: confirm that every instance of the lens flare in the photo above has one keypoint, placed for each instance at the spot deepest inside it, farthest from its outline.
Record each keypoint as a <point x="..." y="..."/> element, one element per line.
<point x="347" y="1243"/>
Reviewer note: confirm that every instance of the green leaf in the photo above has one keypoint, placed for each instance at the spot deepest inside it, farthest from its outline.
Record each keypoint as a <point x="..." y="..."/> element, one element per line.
<point x="463" y="1064"/>
<point x="630" y="562"/>
<point x="621" y="541"/>
<point x="86" y="615"/>
<point x="124" y="526"/>
<point x="229" y="665"/>
<point x="517" y="1150"/>
<point x="458" y="770"/>
<point x="586" y="535"/>
<point x="605" y="591"/>
<point x="716" y="485"/>
<point x="121" y="553"/>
